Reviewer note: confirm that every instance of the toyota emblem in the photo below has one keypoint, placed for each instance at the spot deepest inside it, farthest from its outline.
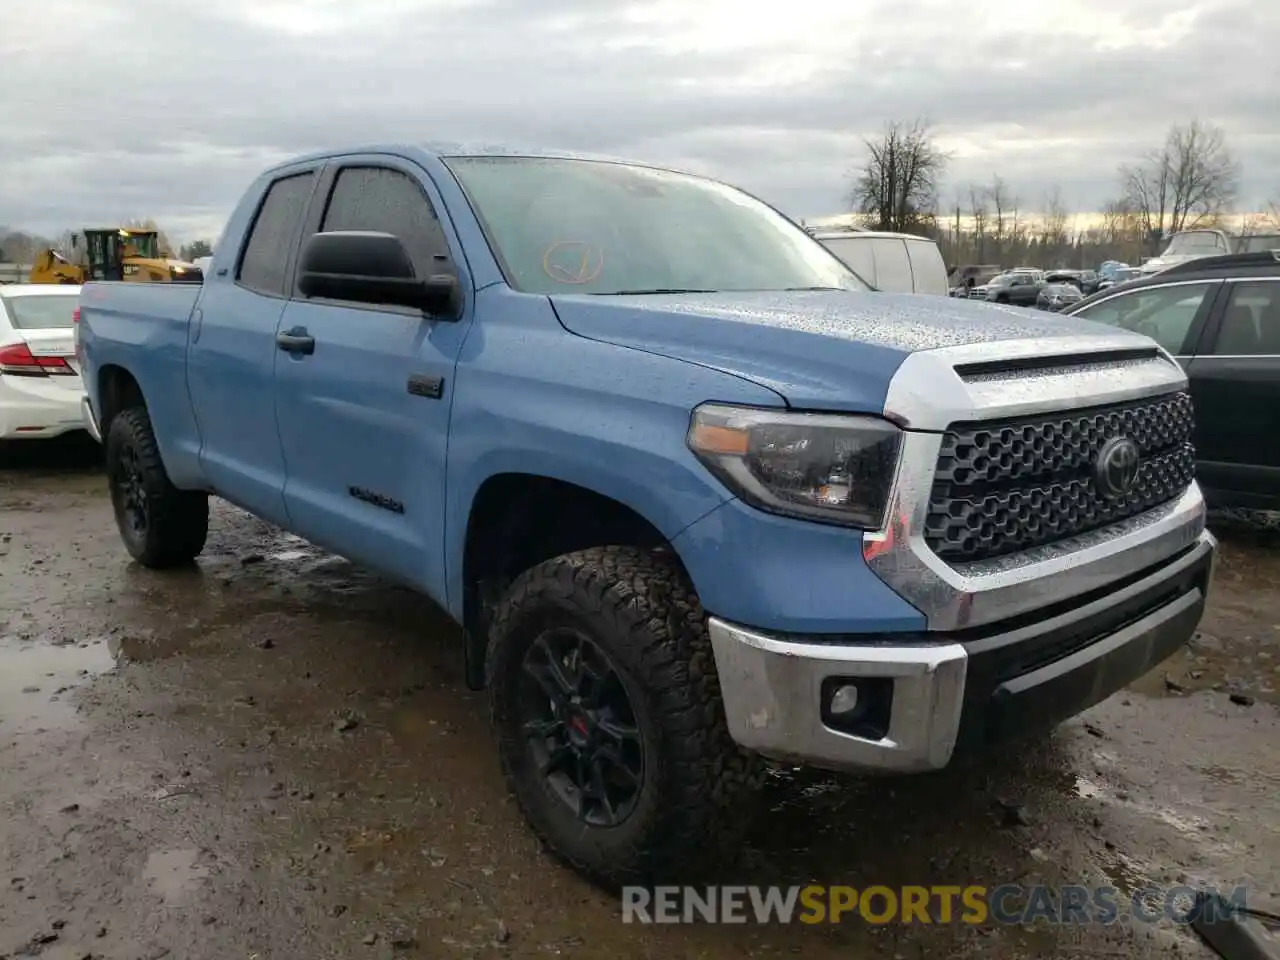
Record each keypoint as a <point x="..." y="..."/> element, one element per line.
<point x="1116" y="469"/>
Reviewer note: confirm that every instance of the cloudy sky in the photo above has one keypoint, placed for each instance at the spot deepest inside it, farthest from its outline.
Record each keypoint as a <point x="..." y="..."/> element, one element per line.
<point x="167" y="109"/>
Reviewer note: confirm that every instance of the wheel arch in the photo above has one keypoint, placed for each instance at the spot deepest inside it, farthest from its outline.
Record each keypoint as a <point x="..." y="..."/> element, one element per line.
<point x="517" y="520"/>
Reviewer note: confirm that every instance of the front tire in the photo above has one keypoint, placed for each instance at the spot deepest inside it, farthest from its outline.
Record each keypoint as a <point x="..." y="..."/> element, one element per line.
<point x="161" y="525"/>
<point x="611" y="730"/>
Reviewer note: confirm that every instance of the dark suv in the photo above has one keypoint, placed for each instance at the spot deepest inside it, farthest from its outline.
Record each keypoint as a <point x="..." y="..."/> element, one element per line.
<point x="1220" y="317"/>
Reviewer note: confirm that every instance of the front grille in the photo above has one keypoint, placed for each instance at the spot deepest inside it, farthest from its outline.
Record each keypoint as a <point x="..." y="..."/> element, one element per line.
<point x="1001" y="487"/>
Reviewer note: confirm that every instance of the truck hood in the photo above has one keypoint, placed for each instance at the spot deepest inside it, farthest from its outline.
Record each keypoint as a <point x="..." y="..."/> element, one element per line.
<point x="828" y="350"/>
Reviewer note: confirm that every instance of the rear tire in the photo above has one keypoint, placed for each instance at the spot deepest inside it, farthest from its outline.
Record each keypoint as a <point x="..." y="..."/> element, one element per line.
<point x="161" y="525"/>
<point x="685" y="793"/>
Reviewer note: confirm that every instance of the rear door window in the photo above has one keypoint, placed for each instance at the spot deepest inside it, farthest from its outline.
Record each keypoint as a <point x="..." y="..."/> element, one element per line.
<point x="1165" y="314"/>
<point x="40" y="312"/>
<point x="1251" y="323"/>
<point x="265" y="263"/>
<point x="893" y="267"/>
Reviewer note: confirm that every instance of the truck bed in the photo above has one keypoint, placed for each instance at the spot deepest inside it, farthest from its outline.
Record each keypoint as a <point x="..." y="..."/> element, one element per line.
<point x="143" y="328"/>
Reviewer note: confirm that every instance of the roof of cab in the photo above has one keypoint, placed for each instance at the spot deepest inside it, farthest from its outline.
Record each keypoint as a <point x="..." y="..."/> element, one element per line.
<point x="843" y="234"/>
<point x="453" y="150"/>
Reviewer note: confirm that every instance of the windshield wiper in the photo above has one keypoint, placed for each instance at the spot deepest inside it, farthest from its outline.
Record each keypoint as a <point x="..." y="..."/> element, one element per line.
<point x="638" y="293"/>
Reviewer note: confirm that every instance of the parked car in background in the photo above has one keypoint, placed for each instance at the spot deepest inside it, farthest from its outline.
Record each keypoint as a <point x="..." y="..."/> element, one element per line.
<point x="1020" y="287"/>
<point x="1189" y="245"/>
<point x="967" y="276"/>
<point x="1077" y="278"/>
<point x="40" y="387"/>
<point x="979" y="291"/>
<point x="1220" y="317"/>
<point x="1058" y="296"/>
<point x="1117" y="276"/>
<point x="1106" y="272"/>
<point x="891" y="262"/>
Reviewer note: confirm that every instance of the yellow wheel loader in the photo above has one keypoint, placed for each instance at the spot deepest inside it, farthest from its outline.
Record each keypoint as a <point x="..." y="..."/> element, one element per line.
<point x="116" y="253"/>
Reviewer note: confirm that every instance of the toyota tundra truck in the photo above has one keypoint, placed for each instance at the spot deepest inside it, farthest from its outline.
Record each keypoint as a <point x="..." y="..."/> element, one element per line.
<point x="701" y="501"/>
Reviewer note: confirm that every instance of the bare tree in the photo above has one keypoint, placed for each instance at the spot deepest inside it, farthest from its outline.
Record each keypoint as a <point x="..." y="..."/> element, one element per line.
<point x="1190" y="180"/>
<point x="195" y="249"/>
<point x="1255" y="224"/>
<point x="1054" y="237"/>
<point x="21" y="247"/>
<point x="1004" y="208"/>
<point x="979" y="213"/>
<point x="1273" y="212"/>
<point x="898" y="187"/>
<point x="1055" y="216"/>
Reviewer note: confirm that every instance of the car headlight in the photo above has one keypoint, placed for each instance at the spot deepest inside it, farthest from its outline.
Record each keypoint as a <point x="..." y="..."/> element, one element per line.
<point x="833" y="468"/>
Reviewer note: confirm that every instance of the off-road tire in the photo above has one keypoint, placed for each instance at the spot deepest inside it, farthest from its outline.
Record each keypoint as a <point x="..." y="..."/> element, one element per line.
<point x="700" y="787"/>
<point x="177" y="520"/>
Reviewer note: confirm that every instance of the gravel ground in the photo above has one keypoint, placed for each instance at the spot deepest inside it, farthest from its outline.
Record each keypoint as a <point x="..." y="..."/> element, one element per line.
<point x="274" y="756"/>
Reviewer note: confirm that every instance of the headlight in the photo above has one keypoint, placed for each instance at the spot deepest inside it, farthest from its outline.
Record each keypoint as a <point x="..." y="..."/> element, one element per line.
<point x="827" y="467"/>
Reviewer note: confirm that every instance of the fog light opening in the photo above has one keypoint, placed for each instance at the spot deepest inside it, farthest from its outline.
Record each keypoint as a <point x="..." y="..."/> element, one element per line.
<point x="860" y="706"/>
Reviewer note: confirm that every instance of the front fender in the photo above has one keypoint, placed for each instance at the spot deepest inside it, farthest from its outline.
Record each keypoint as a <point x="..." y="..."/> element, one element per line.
<point x="533" y="398"/>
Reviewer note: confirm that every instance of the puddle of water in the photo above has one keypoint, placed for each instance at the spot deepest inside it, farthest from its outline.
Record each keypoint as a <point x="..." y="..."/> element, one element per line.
<point x="36" y="679"/>
<point x="174" y="874"/>
<point x="1188" y="824"/>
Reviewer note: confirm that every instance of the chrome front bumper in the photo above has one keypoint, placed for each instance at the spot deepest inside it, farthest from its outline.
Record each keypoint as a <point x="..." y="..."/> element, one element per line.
<point x="772" y="691"/>
<point x="960" y="690"/>
<point x="90" y="421"/>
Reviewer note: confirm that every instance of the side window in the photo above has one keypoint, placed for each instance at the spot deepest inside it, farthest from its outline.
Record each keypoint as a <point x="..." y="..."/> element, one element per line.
<point x="858" y="255"/>
<point x="893" y="269"/>
<point x="927" y="268"/>
<point x="1164" y="314"/>
<point x="388" y="201"/>
<point x="266" y="254"/>
<point x="1251" y="322"/>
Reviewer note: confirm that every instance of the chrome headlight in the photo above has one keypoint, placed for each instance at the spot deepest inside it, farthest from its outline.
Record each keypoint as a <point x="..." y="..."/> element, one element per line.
<point x="833" y="468"/>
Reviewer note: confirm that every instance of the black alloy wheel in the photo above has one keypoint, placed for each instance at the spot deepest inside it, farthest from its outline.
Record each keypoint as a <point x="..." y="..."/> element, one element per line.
<point x="580" y="727"/>
<point x="130" y="493"/>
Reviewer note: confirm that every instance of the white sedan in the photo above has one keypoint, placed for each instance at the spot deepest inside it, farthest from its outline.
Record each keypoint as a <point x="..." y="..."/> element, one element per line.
<point x="40" y="387"/>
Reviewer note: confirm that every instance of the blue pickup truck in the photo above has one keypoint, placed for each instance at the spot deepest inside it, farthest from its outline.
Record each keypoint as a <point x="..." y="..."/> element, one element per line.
<point x="700" y="499"/>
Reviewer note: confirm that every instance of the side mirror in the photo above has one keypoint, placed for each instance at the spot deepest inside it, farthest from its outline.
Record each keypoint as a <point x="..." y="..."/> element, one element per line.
<point x="368" y="267"/>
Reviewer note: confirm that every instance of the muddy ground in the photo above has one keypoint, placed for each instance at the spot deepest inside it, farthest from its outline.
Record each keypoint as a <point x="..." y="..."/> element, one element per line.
<point x="274" y="756"/>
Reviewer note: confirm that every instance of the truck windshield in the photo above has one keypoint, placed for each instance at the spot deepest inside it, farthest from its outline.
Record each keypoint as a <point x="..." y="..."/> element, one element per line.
<point x="586" y="226"/>
<point x="144" y="244"/>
